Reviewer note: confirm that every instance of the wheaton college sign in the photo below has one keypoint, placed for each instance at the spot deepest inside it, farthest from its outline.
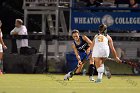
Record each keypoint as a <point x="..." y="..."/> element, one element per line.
<point x="114" y="20"/>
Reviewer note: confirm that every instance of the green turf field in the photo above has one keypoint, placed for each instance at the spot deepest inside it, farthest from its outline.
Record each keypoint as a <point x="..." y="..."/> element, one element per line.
<point x="51" y="83"/>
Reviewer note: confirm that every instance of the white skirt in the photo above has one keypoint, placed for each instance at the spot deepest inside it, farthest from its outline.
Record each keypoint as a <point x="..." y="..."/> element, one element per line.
<point x="101" y="52"/>
<point x="1" y="49"/>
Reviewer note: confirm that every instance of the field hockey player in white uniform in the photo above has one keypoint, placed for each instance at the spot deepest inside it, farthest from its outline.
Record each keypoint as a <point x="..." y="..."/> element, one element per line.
<point x="2" y="46"/>
<point x="102" y="43"/>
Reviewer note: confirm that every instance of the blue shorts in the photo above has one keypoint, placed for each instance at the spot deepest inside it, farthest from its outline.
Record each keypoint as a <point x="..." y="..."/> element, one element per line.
<point x="84" y="55"/>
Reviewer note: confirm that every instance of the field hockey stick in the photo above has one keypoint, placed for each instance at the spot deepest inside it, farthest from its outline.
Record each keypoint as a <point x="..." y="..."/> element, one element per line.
<point x="73" y="71"/>
<point x="128" y="62"/>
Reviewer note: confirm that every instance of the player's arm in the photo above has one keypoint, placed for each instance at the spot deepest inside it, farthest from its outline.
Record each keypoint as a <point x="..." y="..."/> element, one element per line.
<point x="76" y="53"/>
<point x="13" y="32"/>
<point x="3" y="45"/>
<point x="85" y="38"/>
<point x="113" y="49"/>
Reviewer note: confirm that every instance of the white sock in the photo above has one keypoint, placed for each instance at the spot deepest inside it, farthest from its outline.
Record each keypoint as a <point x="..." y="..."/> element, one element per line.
<point x="100" y="71"/>
<point x="100" y="75"/>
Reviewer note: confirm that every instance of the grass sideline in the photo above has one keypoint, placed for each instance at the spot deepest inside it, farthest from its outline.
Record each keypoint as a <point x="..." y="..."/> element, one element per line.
<point x="52" y="83"/>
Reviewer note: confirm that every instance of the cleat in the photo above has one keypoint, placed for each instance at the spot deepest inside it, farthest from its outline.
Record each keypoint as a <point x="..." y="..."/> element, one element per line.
<point x="98" y="81"/>
<point x="107" y="72"/>
<point x="67" y="76"/>
<point x="91" y="78"/>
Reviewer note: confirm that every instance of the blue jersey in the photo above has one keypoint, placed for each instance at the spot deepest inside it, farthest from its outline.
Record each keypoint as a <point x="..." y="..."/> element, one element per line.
<point x="83" y="46"/>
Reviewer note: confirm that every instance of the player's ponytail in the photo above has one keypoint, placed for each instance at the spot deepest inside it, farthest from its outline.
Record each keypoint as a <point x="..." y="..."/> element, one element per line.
<point x="105" y="32"/>
<point x="103" y="29"/>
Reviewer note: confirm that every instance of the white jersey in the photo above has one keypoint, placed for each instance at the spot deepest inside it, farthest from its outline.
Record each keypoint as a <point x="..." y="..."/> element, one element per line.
<point x="101" y="47"/>
<point x="21" y="31"/>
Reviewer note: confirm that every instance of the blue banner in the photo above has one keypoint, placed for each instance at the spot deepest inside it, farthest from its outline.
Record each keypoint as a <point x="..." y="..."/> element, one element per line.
<point x="116" y="21"/>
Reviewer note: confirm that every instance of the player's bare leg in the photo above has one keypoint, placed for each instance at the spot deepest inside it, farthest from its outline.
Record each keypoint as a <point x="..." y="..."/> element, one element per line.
<point x="79" y="68"/>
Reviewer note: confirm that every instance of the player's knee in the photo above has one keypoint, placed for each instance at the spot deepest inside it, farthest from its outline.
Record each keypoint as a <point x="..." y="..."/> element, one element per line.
<point x="79" y="69"/>
<point x="91" y="60"/>
<point x="77" y="72"/>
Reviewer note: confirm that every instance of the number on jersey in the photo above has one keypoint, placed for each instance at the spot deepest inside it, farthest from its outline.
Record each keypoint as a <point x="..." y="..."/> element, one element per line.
<point x="100" y="38"/>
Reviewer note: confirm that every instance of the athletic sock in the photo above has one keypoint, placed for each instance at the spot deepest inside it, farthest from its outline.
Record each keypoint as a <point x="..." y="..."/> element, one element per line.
<point x="1" y="65"/>
<point x="100" y="75"/>
<point x="91" y="69"/>
<point x="100" y="71"/>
